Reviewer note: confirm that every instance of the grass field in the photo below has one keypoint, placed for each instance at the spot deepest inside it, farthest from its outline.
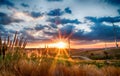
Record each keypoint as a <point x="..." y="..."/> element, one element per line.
<point x="22" y="63"/>
<point x="109" y="54"/>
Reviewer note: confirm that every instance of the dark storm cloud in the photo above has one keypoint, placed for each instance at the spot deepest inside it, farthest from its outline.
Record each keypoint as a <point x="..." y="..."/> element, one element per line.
<point x="2" y="29"/>
<point x="50" y="33"/>
<point x="5" y="19"/>
<point x="58" y="20"/>
<point x="79" y="35"/>
<point x="35" y="14"/>
<point x="118" y="11"/>
<point x="54" y="0"/>
<point x="27" y="35"/>
<point x="28" y="28"/>
<point x="39" y="27"/>
<point x="104" y="19"/>
<point x="53" y="25"/>
<point x="114" y="2"/>
<point x="6" y="2"/>
<point x="99" y="32"/>
<point x="4" y="32"/>
<point x="59" y="12"/>
<point x="67" y="30"/>
<point x="55" y="12"/>
<point x="68" y="10"/>
<point x="24" y="5"/>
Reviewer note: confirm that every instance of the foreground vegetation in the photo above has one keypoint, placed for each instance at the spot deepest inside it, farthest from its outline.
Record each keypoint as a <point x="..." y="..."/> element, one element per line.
<point x="20" y="64"/>
<point x="16" y="61"/>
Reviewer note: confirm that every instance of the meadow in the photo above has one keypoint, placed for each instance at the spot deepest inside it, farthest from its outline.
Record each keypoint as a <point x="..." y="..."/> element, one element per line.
<point x="22" y="63"/>
<point x="15" y="60"/>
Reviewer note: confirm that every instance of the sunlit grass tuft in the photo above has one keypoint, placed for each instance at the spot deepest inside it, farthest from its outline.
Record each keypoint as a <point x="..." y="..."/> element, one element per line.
<point x="19" y="64"/>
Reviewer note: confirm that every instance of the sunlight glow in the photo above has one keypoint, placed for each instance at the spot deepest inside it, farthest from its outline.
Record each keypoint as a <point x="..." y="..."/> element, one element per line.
<point x="61" y="44"/>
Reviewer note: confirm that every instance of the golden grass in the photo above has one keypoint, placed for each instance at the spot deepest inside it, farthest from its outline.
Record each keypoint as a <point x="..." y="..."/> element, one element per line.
<point x="111" y="71"/>
<point x="30" y="68"/>
<point x="19" y="64"/>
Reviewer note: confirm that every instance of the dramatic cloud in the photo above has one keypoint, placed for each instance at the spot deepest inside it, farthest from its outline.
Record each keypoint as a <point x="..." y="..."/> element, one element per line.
<point x="4" y="32"/>
<point x="99" y="32"/>
<point x="68" y="10"/>
<point x="79" y="35"/>
<point x="24" y="5"/>
<point x="28" y="28"/>
<point x="55" y="12"/>
<point x="104" y="19"/>
<point x="35" y="14"/>
<point x="50" y="33"/>
<point x="2" y="29"/>
<point x="41" y="19"/>
<point x="59" y="12"/>
<point x="39" y="27"/>
<point x="5" y="19"/>
<point x="6" y="2"/>
<point x="114" y="2"/>
<point x="27" y="35"/>
<point x="118" y="11"/>
<point x="67" y="30"/>
<point x="58" y="20"/>
<point x="53" y="25"/>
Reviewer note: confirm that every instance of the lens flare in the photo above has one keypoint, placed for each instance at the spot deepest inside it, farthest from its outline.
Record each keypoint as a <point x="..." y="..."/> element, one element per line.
<point x="60" y="44"/>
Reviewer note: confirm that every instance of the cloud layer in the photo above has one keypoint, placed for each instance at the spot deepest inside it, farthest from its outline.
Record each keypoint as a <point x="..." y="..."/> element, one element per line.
<point x="42" y="19"/>
<point x="6" y="2"/>
<point x="5" y="19"/>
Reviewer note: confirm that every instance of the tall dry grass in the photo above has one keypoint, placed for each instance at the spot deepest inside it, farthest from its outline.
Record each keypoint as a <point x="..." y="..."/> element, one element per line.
<point x="18" y="63"/>
<point x="25" y="67"/>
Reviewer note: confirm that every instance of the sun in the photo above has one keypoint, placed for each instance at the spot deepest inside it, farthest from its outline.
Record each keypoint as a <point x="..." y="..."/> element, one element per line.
<point x="60" y="44"/>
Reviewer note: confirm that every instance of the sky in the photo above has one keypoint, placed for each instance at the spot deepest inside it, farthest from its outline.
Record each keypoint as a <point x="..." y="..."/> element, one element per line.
<point x="88" y="23"/>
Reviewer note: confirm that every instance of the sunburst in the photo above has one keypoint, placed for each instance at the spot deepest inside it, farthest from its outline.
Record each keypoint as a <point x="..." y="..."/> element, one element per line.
<point x="61" y="44"/>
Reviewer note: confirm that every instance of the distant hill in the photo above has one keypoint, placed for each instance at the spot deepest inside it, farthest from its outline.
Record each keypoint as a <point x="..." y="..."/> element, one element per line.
<point x="99" y="54"/>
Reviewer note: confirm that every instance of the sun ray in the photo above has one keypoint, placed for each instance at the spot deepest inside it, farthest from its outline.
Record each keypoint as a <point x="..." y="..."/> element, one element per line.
<point x="66" y="53"/>
<point x="59" y="34"/>
<point x="60" y="44"/>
